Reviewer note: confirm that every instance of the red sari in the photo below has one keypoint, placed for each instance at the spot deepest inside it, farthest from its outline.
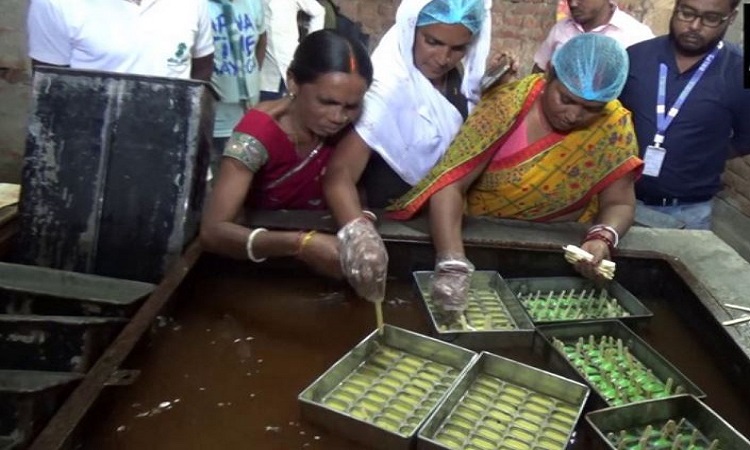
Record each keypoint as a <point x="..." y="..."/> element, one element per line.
<point x="283" y="180"/>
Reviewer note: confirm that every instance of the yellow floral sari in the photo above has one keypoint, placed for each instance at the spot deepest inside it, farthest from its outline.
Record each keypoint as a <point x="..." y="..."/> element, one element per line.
<point x="552" y="177"/>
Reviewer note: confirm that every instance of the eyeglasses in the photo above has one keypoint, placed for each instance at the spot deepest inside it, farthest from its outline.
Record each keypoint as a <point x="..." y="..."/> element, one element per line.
<point x="709" y="19"/>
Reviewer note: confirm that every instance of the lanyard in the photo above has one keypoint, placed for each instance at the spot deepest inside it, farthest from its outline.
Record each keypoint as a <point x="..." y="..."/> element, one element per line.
<point x="663" y="121"/>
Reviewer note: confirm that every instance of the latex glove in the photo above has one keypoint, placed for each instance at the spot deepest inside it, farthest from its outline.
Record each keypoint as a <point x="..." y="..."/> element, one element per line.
<point x="364" y="260"/>
<point x="450" y="286"/>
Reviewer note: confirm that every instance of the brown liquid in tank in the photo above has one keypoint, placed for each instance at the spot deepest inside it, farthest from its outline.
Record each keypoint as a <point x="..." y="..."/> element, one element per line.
<point x="226" y="372"/>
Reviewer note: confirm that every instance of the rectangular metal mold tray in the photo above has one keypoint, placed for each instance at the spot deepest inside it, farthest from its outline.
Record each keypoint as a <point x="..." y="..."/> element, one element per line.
<point x="519" y="333"/>
<point x="40" y="290"/>
<point x="657" y="412"/>
<point x="369" y="386"/>
<point x="636" y="311"/>
<point x="501" y="403"/>
<point x="637" y="347"/>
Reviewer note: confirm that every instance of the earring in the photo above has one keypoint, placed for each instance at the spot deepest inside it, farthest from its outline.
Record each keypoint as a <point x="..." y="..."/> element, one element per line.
<point x="292" y="96"/>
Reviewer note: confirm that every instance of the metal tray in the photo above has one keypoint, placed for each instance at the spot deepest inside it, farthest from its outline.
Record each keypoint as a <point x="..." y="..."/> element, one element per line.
<point x="501" y="403"/>
<point x="637" y="347"/>
<point x="379" y="401"/>
<point x="625" y="306"/>
<point x="518" y="332"/>
<point x="40" y="290"/>
<point x="636" y="417"/>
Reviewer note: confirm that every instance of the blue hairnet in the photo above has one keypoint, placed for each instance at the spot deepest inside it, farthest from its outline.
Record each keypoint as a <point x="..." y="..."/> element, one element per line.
<point x="592" y="66"/>
<point x="469" y="13"/>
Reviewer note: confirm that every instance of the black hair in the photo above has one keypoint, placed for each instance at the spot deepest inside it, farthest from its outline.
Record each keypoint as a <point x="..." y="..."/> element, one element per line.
<point x="732" y="4"/>
<point x="327" y="51"/>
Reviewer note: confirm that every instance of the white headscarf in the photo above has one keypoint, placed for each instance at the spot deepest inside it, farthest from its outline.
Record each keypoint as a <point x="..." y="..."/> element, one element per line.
<point x="405" y="119"/>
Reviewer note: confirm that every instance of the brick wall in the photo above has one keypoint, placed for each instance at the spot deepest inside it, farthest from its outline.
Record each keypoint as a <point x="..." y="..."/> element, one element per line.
<point x="14" y="89"/>
<point x="518" y="26"/>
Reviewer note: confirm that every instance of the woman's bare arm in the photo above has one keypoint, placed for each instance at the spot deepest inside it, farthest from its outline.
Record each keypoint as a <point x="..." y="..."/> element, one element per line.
<point x="344" y="170"/>
<point x="446" y="214"/>
<point x="617" y="205"/>
<point x="219" y="231"/>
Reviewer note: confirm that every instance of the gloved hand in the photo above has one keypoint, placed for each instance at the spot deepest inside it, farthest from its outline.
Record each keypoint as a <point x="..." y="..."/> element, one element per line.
<point x="364" y="260"/>
<point x="450" y="285"/>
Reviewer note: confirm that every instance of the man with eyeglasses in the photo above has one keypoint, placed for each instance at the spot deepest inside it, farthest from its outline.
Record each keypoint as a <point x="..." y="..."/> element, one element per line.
<point x="591" y="16"/>
<point x="690" y="110"/>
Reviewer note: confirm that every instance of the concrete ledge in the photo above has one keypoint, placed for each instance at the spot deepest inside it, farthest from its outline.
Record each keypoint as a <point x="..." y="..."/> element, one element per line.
<point x="731" y="225"/>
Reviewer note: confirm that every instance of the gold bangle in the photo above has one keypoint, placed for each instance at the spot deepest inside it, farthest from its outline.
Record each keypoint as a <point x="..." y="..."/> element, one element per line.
<point x="304" y="240"/>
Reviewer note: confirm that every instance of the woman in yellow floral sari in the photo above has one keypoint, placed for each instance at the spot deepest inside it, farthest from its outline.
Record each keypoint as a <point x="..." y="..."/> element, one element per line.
<point x="554" y="149"/>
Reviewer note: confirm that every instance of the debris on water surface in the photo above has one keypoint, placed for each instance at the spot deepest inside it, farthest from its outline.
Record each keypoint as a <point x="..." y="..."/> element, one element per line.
<point x="273" y="429"/>
<point x="121" y="428"/>
<point x="397" y="302"/>
<point x="163" y="321"/>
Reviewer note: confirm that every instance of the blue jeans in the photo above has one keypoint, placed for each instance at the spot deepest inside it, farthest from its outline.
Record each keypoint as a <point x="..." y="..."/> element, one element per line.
<point x="695" y="216"/>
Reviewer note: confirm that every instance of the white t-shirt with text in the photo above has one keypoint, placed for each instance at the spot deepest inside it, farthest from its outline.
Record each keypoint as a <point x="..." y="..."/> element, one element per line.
<point x="156" y="38"/>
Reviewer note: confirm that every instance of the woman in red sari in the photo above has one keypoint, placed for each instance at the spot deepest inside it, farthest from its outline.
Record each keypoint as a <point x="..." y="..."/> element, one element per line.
<point x="277" y="152"/>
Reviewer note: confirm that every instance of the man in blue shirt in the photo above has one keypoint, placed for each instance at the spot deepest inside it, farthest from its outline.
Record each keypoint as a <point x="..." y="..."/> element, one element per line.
<point x="686" y="133"/>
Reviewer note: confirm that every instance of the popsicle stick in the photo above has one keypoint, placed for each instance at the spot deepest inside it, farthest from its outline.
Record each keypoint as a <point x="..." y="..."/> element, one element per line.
<point x="741" y="308"/>
<point x="379" y="315"/>
<point x="736" y="321"/>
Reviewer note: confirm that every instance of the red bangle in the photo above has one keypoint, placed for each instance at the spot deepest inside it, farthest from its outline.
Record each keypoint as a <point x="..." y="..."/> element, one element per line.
<point x="601" y="237"/>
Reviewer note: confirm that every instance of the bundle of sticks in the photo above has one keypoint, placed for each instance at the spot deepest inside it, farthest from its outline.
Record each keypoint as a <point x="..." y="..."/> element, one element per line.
<point x="573" y="254"/>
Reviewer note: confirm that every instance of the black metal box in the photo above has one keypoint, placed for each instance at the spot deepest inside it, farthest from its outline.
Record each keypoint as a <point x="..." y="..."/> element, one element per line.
<point x="114" y="173"/>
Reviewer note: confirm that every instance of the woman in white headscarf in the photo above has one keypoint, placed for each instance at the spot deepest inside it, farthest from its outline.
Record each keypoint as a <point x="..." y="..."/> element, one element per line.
<point x="428" y="69"/>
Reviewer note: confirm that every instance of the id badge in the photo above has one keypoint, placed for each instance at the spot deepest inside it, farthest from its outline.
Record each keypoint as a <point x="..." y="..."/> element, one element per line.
<point x="653" y="158"/>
